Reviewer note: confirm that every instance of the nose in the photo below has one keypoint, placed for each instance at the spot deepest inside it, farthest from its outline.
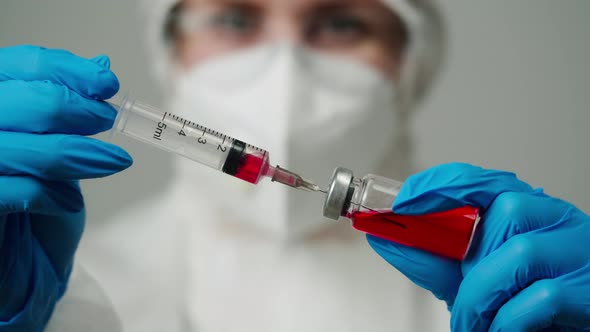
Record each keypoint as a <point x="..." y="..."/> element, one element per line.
<point x="283" y="27"/>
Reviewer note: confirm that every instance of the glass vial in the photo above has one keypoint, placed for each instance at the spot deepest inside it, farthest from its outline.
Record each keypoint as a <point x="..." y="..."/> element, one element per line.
<point x="368" y="203"/>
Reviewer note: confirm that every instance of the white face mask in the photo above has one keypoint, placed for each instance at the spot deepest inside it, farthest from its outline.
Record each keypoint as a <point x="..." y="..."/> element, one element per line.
<point x="312" y="112"/>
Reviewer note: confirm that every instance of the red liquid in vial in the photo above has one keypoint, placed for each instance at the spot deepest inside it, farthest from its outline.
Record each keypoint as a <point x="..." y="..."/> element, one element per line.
<point x="252" y="167"/>
<point x="447" y="233"/>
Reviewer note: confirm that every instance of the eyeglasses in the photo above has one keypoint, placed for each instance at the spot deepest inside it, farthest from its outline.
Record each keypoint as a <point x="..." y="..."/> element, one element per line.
<point x="327" y="26"/>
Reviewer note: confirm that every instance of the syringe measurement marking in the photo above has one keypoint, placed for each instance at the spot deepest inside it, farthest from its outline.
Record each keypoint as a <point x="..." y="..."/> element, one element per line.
<point x="160" y="128"/>
<point x="220" y="147"/>
<point x="202" y="140"/>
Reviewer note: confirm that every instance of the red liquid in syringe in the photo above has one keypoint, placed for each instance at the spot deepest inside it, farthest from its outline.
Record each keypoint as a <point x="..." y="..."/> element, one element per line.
<point x="253" y="167"/>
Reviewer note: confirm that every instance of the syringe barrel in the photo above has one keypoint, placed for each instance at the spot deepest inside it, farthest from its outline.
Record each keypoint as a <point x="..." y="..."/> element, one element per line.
<point x="181" y="136"/>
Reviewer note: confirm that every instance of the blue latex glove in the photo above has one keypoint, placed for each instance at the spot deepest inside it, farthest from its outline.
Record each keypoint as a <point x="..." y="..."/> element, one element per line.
<point x="528" y="268"/>
<point x="48" y="99"/>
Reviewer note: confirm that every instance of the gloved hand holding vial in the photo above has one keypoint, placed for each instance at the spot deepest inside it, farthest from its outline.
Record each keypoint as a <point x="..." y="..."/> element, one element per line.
<point x="367" y="201"/>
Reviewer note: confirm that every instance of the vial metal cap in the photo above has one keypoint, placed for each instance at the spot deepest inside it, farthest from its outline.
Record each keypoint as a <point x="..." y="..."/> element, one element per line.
<point x="337" y="193"/>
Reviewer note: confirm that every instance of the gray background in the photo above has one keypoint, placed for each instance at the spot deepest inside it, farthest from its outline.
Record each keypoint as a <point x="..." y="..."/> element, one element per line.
<point x="514" y="94"/>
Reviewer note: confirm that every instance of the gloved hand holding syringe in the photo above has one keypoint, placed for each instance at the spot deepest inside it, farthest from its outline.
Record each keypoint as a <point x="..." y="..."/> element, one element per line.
<point x="367" y="201"/>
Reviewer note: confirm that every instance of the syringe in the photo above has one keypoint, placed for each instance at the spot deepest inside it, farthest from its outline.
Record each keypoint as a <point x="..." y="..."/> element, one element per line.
<point x="217" y="150"/>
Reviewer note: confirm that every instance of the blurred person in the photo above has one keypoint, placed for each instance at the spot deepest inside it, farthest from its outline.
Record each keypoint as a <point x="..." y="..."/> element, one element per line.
<point x="319" y="83"/>
<point x="314" y="82"/>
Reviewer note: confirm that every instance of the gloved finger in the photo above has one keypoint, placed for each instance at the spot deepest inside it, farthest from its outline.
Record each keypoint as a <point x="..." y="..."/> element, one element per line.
<point x="560" y="303"/>
<point x="574" y="300"/>
<point x="16" y="264"/>
<point x="102" y="60"/>
<point x="439" y="275"/>
<point x="29" y="194"/>
<point x="33" y="63"/>
<point x="42" y="107"/>
<point x="59" y="236"/>
<point x="59" y="157"/>
<point x="533" y="309"/>
<point x="510" y="214"/>
<point x="454" y="185"/>
<point x="523" y="259"/>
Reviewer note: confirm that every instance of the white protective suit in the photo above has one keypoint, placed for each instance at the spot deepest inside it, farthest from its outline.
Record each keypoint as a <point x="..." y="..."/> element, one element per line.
<point x="213" y="254"/>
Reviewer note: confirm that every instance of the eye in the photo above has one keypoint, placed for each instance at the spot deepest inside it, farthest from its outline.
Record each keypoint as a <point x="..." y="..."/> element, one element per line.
<point x="236" y="20"/>
<point x="337" y="28"/>
<point x="343" y="24"/>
